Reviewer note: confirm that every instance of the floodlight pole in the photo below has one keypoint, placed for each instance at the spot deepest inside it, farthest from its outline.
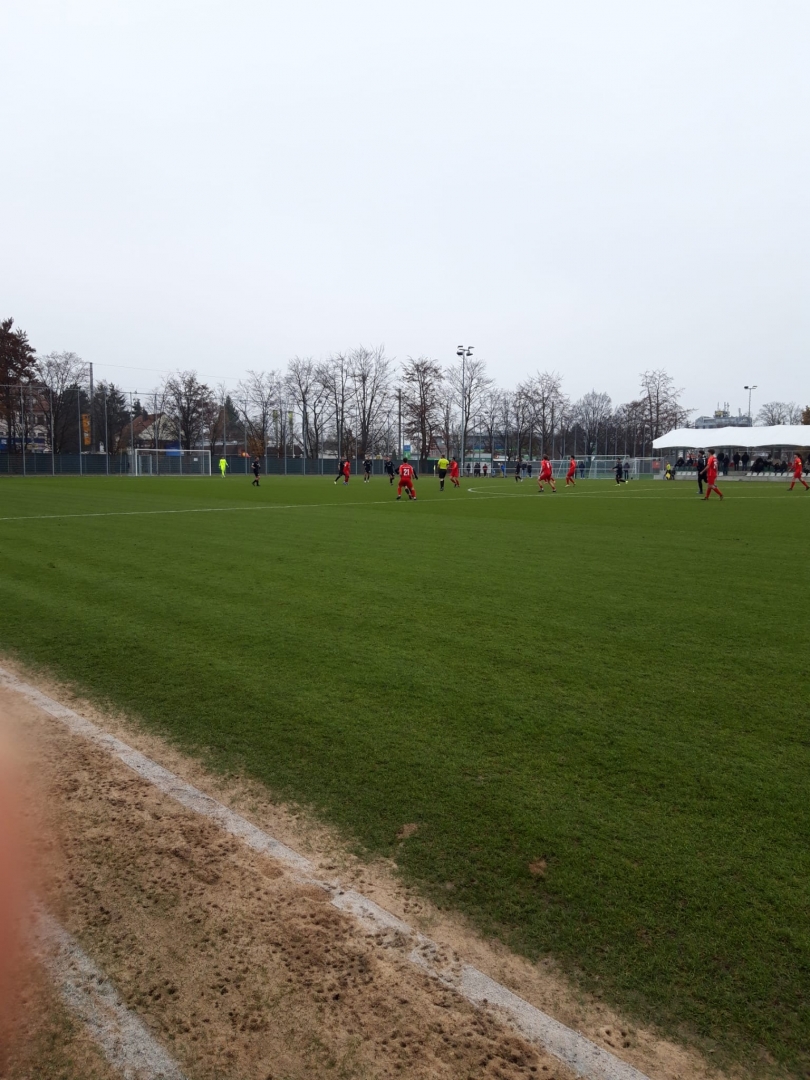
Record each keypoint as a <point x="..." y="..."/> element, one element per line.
<point x="463" y="353"/>
<point x="750" y="417"/>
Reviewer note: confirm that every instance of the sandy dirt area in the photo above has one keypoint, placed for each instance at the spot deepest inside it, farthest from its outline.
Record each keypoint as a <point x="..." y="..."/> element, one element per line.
<point x="237" y="969"/>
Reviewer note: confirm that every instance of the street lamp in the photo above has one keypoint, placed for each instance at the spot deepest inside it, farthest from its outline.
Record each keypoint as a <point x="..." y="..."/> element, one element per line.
<point x="750" y="417"/>
<point x="463" y="353"/>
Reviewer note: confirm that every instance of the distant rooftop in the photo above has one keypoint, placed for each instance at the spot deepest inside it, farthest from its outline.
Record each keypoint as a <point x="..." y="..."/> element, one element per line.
<point x="723" y="418"/>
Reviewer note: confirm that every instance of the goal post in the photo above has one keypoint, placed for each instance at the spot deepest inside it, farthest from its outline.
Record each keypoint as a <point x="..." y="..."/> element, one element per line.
<point x="145" y="462"/>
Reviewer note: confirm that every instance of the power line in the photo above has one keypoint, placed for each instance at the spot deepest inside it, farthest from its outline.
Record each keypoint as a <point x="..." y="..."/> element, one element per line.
<point x="169" y="371"/>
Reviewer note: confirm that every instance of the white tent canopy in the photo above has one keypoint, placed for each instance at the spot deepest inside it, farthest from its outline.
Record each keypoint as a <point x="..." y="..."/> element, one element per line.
<point x="748" y="437"/>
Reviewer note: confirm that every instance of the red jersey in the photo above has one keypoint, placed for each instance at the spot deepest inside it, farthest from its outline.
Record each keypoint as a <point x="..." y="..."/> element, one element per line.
<point x="406" y="471"/>
<point x="711" y="466"/>
<point x="797" y="467"/>
<point x="346" y="468"/>
<point x="572" y="466"/>
<point x="545" y="470"/>
<point x="454" y="468"/>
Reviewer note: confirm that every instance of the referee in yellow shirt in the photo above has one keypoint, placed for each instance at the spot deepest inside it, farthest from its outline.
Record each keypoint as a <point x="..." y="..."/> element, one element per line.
<point x="442" y="465"/>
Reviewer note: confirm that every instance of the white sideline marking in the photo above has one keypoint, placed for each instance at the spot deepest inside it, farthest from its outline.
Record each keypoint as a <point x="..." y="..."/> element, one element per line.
<point x="194" y="510"/>
<point x="569" y="1046"/>
<point x="86" y="990"/>
<point x="642" y="495"/>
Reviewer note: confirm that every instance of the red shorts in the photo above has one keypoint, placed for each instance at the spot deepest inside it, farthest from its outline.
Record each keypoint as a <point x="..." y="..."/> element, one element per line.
<point x="545" y="476"/>
<point x="710" y="478"/>
<point x="570" y="473"/>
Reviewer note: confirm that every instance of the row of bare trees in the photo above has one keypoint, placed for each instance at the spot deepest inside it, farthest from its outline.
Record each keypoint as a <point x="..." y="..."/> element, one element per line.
<point x="352" y="403"/>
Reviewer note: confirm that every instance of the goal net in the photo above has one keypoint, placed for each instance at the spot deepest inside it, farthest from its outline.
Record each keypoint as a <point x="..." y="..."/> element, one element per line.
<point x="170" y="463"/>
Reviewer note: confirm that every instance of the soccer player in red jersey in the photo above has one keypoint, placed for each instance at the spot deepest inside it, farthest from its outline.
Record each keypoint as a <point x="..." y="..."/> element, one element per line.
<point x="545" y="476"/>
<point x="407" y="475"/>
<point x="798" y="465"/>
<point x="572" y="472"/>
<point x="711" y="476"/>
<point x="347" y="470"/>
<point x="454" y="473"/>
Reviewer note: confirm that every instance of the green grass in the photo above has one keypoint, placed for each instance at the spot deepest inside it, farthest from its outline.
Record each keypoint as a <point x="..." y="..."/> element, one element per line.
<point x="610" y="679"/>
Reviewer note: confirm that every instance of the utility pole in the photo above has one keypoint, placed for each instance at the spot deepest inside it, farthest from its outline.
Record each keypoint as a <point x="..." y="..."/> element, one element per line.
<point x="399" y="404"/>
<point x="463" y="353"/>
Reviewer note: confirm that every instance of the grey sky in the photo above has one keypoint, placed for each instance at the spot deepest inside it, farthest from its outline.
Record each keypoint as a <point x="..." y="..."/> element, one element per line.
<point x="597" y="187"/>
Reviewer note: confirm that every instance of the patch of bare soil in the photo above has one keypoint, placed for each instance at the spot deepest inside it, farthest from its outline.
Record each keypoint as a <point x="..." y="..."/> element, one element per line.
<point x="243" y="973"/>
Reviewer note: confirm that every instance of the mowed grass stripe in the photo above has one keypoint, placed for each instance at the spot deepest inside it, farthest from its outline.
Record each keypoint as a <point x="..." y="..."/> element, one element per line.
<point x="610" y="685"/>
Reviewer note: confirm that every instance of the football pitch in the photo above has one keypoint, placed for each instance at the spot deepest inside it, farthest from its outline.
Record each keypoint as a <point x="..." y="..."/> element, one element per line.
<point x="593" y="705"/>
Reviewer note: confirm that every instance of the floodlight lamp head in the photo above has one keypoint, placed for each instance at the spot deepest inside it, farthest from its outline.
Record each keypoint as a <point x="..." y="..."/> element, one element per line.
<point x="460" y="350"/>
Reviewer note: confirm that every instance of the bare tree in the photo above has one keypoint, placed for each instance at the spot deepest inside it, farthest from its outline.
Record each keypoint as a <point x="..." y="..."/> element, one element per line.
<point x="779" y="412"/>
<point x="548" y="402"/>
<point x="162" y="425"/>
<point x="469" y="385"/>
<point x="520" y="417"/>
<point x="335" y="376"/>
<point x="63" y="374"/>
<point x="505" y="421"/>
<point x="370" y="381"/>
<point x="490" y="412"/>
<point x="190" y="403"/>
<point x="448" y="417"/>
<point x="661" y="404"/>
<point x="421" y="401"/>
<point x="303" y="389"/>
<point x="593" y="411"/>
<point x="258" y="397"/>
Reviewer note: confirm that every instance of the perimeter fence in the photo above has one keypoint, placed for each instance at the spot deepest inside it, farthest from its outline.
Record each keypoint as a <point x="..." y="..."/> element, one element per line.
<point x="46" y="464"/>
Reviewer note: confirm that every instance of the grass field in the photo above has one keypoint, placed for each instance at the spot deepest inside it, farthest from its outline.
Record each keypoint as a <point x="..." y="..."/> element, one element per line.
<point x="593" y="704"/>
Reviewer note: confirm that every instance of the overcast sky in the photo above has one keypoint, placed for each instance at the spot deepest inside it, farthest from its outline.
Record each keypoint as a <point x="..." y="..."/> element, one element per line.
<point x="591" y="186"/>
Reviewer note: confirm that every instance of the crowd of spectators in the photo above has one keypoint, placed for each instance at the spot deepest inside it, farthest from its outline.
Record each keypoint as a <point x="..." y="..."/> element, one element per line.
<point x="774" y="464"/>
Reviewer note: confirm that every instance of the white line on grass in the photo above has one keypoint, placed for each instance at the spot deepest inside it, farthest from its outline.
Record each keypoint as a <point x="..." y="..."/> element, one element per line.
<point x="623" y="496"/>
<point x="195" y="510"/>
<point x="323" y="506"/>
<point x="88" y="993"/>
<point x="569" y="1046"/>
